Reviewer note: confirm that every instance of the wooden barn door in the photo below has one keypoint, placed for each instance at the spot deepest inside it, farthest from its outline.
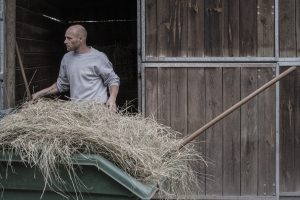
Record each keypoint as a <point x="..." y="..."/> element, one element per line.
<point x="183" y="89"/>
<point x="183" y="93"/>
<point x="290" y="136"/>
<point x="289" y="20"/>
<point x="241" y="148"/>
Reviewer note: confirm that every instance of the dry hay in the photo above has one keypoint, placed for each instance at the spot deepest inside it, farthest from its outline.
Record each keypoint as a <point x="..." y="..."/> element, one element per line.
<point x="50" y="132"/>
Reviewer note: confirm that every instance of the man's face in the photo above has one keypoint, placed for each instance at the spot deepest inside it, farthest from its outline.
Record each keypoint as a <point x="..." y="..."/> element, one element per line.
<point x="72" y="41"/>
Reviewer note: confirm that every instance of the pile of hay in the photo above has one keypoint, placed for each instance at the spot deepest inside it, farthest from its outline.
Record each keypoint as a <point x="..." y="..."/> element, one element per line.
<point x="50" y="132"/>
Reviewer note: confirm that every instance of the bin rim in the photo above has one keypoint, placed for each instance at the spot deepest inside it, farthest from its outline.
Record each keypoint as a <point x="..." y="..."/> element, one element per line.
<point x="141" y="190"/>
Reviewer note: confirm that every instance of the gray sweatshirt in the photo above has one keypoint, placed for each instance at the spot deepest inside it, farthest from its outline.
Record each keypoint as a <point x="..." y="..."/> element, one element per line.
<point x="86" y="75"/>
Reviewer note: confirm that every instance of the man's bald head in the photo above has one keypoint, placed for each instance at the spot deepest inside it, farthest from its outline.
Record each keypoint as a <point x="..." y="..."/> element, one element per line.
<point x="78" y="30"/>
<point x="76" y="38"/>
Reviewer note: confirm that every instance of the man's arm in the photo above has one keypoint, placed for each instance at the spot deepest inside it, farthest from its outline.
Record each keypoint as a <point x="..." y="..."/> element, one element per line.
<point x="47" y="91"/>
<point x="113" y="93"/>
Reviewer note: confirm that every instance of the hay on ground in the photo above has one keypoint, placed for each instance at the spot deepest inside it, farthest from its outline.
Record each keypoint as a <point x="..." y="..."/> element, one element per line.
<point x="50" y="132"/>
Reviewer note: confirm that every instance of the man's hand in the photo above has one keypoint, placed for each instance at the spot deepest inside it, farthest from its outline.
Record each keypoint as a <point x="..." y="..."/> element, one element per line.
<point x="47" y="91"/>
<point x="111" y="104"/>
<point x="35" y="97"/>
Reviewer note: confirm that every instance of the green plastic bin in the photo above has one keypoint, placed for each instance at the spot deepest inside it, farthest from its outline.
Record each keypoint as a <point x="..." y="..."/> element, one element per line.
<point x="103" y="180"/>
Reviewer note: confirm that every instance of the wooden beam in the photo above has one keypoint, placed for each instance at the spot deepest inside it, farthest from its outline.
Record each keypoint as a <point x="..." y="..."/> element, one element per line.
<point x="9" y="67"/>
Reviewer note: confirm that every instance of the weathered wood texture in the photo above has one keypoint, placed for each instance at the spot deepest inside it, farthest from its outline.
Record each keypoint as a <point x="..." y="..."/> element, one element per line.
<point x="266" y="135"/>
<point x="298" y="26"/>
<point x="164" y="96"/>
<point x="287" y="23"/>
<point x="248" y="28"/>
<point x="265" y="27"/>
<point x="196" y="115"/>
<point x="9" y="68"/>
<point x="289" y="129"/>
<point x="213" y="28"/>
<point x="179" y="100"/>
<point x="40" y="41"/>
<point x="214" y="135"/>
<point x="151" y="27"/>
<point x="249" y="134"/>
<point x="231" y="132"/>
<point x="163" y="27"/>
<point x="197" y="28"/>
<point x="240" y="150"/>
<point x="151" y="94"/>
<point x="231" y="36"/>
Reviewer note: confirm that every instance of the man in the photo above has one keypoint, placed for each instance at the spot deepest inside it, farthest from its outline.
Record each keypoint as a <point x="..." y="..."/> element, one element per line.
<point x="84" y="71"/>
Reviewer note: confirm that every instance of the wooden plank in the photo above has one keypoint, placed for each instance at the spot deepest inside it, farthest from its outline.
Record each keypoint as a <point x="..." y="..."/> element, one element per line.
<point x="231" y="132"/>
<point x="9" y="68"/>
<point x="297" y="132"/>
<point x="266" y="136"/>
<point x="179" y="99"/>
<point x="178" y="27"/>
<point x="287" y="132"/>
<point x="233" y="27"/>
<point x="34" y="46"/>
<point x="195" y="28"/>
<point x="37" y="73"/>
<point x="287" y="40"/>
<point x="196" y="115"/>
<point x="212" y="27"/>
<point x="249" y="135"/>
<point x="39" y="59"/>
<point x="298" y="27"/>
<point x="224" y="27"/>
<point x="265" y="27"/>
<point x="27" y="31"/>
<point x="248" y="28"/>
<point x="163" y="26"/>
<point x="214" y="135"/>
<point x="151" y="92"/>
<point x="164" y="96"/>
<point x="151" y="28"/>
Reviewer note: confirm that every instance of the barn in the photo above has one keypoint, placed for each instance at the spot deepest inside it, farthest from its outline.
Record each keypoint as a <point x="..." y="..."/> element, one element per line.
<point x="182" y="62"/>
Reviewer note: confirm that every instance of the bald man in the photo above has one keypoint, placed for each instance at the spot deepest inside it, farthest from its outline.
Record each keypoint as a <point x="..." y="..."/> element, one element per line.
<point x="85" y="71"/>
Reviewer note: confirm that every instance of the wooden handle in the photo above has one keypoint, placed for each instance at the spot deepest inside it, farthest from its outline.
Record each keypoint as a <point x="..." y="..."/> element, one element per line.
<point x="23" y="72"/>
<point x="234" y="107"/>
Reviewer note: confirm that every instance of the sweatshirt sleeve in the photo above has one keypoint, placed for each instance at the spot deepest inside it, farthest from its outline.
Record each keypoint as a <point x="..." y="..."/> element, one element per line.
<point x="106" y="72"/>
<point x="62" y="83"/>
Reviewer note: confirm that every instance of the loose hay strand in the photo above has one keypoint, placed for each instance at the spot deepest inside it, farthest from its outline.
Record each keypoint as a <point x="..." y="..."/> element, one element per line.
<point x="52" y="131"/>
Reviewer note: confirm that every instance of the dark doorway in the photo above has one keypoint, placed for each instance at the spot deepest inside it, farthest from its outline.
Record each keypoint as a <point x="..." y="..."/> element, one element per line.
<point x="111" y="26"/>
